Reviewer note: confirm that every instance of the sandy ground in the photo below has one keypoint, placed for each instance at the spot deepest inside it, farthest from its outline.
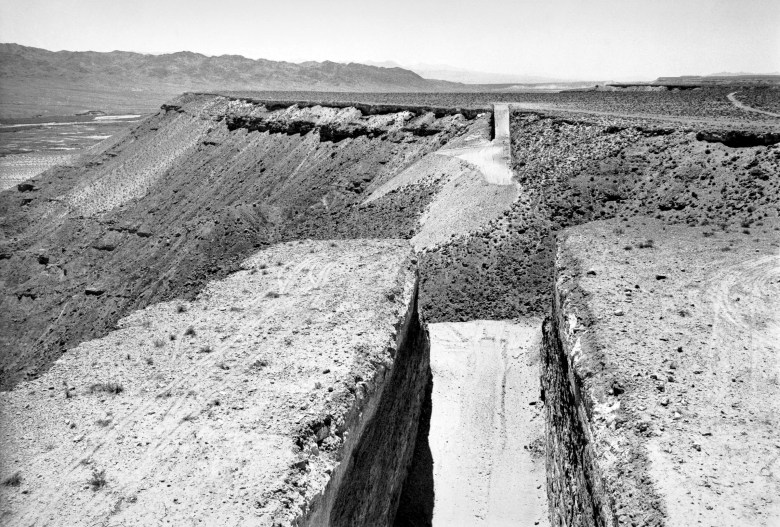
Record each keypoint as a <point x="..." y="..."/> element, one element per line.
<point x="214" y="394"/>
<point x="487" y="426"/>
<point x="689" y="327"/>
<point x="493" y="159"/>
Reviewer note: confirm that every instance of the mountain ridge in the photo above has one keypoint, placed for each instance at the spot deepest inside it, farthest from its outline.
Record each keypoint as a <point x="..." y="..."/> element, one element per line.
<point x="36" y="81"/>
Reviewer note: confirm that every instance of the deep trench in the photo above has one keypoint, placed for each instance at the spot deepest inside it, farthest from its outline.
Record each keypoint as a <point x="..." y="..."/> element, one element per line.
<point x="369" y="485"/>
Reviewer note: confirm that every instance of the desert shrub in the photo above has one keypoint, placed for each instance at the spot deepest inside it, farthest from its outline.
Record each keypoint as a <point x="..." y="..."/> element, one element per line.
<point x="98" y="479"/>
<point x="189" y="332"/>
<point x="159" y="343"/>
<point x="14" y="480"/>
<point x="259" y="364"/>
<point x="206" y="349"/>
<point x="272" y="294"/>
<point x="181" y="308"/>
<point x="107" y="387"/>
<point x="103" y="422"/>
<point x="647" y="244"/>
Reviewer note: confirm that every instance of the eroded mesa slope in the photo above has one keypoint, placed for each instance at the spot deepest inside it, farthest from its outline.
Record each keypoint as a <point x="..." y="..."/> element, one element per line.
<point x="183" y="197"/>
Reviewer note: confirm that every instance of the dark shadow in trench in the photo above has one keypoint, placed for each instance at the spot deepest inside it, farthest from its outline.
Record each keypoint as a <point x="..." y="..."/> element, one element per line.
<point x="415" y="508"/>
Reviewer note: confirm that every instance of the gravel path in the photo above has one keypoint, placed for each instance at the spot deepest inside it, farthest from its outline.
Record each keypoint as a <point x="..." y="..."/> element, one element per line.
<point x="733" y="98"/>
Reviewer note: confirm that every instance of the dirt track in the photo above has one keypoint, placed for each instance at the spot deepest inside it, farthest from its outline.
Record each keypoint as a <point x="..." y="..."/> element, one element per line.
<point x="486" y="426"/>
<point x="742" y="106"/>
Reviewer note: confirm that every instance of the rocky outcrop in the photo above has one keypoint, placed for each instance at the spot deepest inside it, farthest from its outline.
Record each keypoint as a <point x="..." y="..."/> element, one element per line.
<point x="739" y="138"/>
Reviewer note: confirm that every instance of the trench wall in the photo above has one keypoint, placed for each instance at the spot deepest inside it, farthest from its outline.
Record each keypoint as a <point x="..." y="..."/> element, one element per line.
<point x="574" y="488"/>
<point x="366" y="487"/>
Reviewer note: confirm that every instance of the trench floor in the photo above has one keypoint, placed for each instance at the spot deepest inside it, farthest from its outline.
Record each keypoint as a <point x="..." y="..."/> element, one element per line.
<point x="487" y="424"/>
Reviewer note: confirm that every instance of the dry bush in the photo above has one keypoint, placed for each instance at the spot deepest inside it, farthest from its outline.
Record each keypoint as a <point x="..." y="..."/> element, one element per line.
<point x="107" y="387"/>
<point x="647" y="244"/>
<point x="14" y="480"/>
<point x="98" y="479"/>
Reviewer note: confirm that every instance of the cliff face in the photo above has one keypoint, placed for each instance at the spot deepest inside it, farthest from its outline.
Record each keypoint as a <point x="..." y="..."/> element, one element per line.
<point x="182" y="198"/>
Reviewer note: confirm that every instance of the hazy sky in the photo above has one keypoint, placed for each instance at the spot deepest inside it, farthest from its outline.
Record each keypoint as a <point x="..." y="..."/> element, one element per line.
<point x="588" y="39"/>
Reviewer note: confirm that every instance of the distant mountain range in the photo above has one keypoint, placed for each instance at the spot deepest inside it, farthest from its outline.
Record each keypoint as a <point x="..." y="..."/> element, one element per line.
<point x="449" y="73"/>
<point x="36" y="81"/>
<point x="724" y="78"/>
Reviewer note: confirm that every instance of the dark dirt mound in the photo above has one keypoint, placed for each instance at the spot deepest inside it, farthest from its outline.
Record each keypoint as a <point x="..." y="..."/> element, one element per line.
<point x="181" y="200"/>
<point x="573" y="172"/>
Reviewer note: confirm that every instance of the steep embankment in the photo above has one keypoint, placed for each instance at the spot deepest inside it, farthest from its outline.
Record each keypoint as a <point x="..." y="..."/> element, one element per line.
<point x="182" y="198"/>
<point x="660" y="376"/>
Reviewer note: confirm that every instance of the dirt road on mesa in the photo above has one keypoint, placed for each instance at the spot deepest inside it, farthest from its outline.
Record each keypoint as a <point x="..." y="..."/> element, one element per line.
<point x="742" y="106"/>
<point x="486" y="424"/>
<point x="493" y="159"/>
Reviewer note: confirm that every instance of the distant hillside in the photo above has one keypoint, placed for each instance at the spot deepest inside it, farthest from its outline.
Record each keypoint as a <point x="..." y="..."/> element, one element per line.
<point x="462" y="75"/>
<point x="721" y="78"/>
<point x="35" y="81"/>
